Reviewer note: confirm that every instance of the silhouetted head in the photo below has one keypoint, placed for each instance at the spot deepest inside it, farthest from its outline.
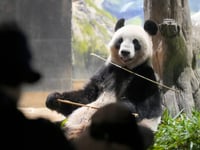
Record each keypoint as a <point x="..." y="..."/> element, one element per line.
<point x="114" y="127"/>
<point x="15" y="56"/>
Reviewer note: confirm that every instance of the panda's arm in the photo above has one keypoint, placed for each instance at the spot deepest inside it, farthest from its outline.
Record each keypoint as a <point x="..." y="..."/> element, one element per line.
<point x="85" y="95"/>
<point x="90" y="91"/>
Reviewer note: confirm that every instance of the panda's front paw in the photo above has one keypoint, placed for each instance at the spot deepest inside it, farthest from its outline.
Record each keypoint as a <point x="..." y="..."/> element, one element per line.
<point x="52" y="101"/>
<point x="53" y="104"/>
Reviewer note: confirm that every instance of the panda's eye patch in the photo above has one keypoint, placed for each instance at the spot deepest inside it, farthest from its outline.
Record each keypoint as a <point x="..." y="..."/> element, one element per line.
<point x="136" y="44"/>
<point x="118" y="43"/>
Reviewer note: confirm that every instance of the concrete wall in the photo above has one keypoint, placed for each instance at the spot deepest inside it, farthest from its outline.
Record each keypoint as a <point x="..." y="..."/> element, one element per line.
<point x="48" y="26"/>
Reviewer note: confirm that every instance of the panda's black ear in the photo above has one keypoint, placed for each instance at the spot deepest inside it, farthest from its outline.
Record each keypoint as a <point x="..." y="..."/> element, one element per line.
<point x="119" y="24"/>
<point x="150" y="27"/>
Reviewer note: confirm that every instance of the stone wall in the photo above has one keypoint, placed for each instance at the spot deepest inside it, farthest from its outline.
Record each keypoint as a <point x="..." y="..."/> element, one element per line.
<point x="47" y="24"/>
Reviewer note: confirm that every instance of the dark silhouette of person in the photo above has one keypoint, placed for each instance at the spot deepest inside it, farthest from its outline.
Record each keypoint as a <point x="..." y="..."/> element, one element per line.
<point x="114" y="127"/>
<point x="16" y="130"/>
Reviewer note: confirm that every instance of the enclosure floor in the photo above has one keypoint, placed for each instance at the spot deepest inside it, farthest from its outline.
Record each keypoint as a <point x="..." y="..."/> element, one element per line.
<point x="32" y="104"/>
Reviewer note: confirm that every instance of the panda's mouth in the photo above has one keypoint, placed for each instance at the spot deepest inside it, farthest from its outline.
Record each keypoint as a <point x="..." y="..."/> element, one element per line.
<point x="125" y="59"/>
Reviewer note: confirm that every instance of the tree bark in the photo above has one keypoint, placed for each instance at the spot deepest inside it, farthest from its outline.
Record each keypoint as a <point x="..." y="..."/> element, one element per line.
<point x="173" y="57"/>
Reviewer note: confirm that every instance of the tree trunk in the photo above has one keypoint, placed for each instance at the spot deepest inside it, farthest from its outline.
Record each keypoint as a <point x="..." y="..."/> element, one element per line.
<point x="173" y="57"/>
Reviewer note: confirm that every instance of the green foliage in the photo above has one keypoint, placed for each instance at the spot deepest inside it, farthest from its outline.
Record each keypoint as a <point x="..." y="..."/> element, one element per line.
<point x="89" y="35"/>
<point x="91" y="41"/>
<point x="178" y="133"/>
<point x="80" y="45"/>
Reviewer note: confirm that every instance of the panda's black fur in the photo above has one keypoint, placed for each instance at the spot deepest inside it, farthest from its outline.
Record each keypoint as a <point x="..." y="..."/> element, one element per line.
<point x="131" y="48"/>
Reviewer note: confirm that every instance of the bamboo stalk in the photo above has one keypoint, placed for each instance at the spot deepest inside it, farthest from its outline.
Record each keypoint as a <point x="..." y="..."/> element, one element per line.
<point x="169" y="88"/>
<point x="75" y="103"/>
<point x="83" y="105"/>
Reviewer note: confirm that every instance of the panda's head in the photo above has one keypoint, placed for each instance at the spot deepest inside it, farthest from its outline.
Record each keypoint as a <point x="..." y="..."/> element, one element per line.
<point x="131" y="45"/>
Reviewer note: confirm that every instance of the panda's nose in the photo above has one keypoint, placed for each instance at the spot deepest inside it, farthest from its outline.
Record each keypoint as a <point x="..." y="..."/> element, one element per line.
<point x="125" y="53"/>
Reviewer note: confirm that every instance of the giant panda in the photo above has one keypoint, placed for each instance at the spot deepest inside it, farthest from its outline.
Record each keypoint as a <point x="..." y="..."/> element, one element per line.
<point x="130" y="47"/>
